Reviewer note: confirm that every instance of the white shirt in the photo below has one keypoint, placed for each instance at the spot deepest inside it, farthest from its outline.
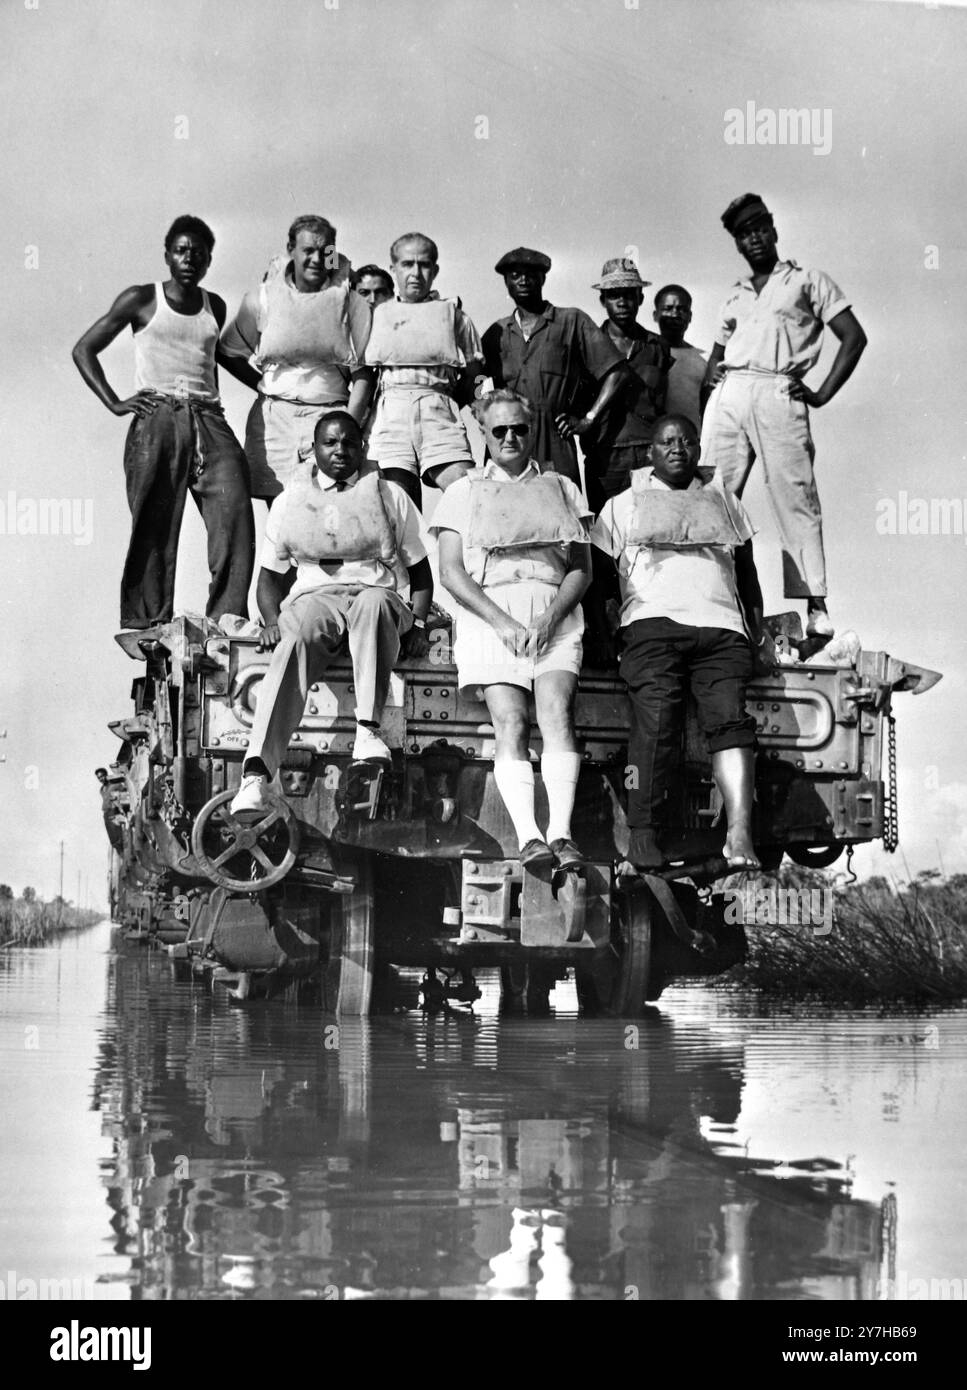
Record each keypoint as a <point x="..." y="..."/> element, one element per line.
<point x="403" y="517"/>
<point x="780" y="329"/>
<point x="695" y="587"/>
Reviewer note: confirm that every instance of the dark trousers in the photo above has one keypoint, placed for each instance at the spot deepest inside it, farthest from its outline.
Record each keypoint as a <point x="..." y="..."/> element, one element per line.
<point x="185" y="445"/>
<point x="662" y="661"/>
<point x="607" y="471"/>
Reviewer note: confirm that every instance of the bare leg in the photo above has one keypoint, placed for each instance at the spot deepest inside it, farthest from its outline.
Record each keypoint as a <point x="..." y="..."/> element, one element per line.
<point x="734" y="771"/>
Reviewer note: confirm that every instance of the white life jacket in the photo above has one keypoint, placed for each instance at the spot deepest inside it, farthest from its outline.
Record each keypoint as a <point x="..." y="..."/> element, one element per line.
<point x="414" y="335"/>
<point x="681" y="518"/>
<point x="326" y="524"/>
<point x="529" y="518"/>
<point x="302" y="330"/>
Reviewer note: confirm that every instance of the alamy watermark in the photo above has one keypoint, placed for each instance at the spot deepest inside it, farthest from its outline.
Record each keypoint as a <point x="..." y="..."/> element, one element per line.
<point x="16" y="1288"/>
<point x="47" y="516"/>
<point x="751" y="906"/>
<point x="765" y="125"/>
<point x="920" y="516"/>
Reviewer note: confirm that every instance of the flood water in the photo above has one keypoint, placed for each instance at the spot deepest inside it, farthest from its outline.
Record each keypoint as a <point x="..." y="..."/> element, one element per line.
<point x="160" y="1142"/>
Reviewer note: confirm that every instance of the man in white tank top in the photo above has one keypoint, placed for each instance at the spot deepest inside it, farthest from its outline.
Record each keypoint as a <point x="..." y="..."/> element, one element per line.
<point x="179" y="439"/>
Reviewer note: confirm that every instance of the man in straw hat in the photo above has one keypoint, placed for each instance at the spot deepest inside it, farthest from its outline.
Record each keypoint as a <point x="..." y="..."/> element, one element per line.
<point x="620" y="439"/>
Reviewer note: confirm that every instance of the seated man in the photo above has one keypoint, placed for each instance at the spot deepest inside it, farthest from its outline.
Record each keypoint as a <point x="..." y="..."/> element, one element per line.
<point x="691" y="616"/>
<point x="345" y="530"/>
<point x="112" y="818"/>
<point x="513" y="554"/>
<point x="428" y="353"/>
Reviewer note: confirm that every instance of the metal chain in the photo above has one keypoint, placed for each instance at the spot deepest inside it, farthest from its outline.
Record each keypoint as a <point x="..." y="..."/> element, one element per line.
<point x="891" y="825"/>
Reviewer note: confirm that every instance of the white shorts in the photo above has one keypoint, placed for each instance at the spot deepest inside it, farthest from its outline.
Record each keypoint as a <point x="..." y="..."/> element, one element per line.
<point x="418" y="430"/>
<point x="482" y="659"/>
<point x="278" y="440"/>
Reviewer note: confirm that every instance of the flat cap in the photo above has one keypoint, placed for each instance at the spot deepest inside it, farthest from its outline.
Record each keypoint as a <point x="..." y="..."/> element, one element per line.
<point x="742" y="210"/>
<point x="523" y="255"/>
<point x="620" y="273"/>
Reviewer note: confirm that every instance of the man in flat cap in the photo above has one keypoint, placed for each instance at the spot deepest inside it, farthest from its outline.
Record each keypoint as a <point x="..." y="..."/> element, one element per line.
<point x="770" y="335"/>
<point x="554" y="357"/>
<point x="621" y="438"/>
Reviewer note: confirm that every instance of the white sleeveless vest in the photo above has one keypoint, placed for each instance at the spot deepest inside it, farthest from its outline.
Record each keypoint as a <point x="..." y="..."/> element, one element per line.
<point x="175" y="353"/>
<point x="683" y="519"/>
<point x="304" y="330"/>
<point x="329" y="524"/>
<point x="414" y="335"/>
<point x="532" y="516"/>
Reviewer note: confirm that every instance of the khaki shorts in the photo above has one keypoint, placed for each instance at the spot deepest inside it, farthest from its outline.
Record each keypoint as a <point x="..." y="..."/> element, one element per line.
<point x="278" y="440"/>
<point x="419" y="431"/>
<point x="482" y="659"/>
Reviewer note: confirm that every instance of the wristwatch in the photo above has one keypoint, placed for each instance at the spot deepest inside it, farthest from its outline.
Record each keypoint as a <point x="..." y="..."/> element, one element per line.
<point x="419" y="622"/>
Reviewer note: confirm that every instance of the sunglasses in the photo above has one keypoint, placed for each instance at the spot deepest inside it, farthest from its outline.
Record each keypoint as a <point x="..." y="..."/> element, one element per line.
<point x="518" y="431"/>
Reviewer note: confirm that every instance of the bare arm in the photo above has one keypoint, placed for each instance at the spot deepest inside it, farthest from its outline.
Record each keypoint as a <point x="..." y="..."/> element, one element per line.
<point x="614" y="380"/>
<point x="269" y="593"/>
<point x="572" y="589"/>
<point x="468" y="593"/>
<point x="129" y="310"/>
<point x="852" y="342"/>
<point x="363" y="383"/>
<point x="750" y="596"/>
<point x="239" y="342"/>
<point x="415" y="643"/>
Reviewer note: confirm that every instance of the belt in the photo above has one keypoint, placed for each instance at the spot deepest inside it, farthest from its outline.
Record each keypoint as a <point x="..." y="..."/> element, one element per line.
<point x="197" y="406"/>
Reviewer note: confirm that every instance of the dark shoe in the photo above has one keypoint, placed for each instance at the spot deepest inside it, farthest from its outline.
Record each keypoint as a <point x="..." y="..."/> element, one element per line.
<point x="567" y="854"/>
<point x="535" y="854"/>
<point x="643" y="850"/>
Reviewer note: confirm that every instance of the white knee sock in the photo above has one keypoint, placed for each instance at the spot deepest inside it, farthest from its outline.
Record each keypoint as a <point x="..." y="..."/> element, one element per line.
<point x="515" y="782"/>
<point x="560" y="773"/>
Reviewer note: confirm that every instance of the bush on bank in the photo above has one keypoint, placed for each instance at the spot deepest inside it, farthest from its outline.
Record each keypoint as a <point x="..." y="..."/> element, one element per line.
<point x="29" y="921"/>
<point x="903" y="943"/>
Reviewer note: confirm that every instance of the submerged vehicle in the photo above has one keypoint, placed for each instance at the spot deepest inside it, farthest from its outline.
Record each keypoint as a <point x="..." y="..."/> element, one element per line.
<point x="356" y="868"/>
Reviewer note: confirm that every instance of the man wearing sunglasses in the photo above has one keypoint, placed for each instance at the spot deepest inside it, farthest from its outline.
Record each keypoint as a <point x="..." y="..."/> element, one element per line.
<point x="514" y="555"/>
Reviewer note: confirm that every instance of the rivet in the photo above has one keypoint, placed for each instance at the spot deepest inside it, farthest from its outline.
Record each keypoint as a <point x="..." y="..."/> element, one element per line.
<point x="296" y="738"/>
<point x="800" y="762"/>
<point x="472" y="869"/>
<point x="444" y="714"/>
<point x="427" y="714"/>
<point x="313" y="709"/>
<point x="843" y="765"/>
<point x="314" y="687"/>
<point x="427" y="691"/>
<point x="445" y="694"/>
<point x="818" y="762"/>
<point x="811" y="676"/>
<point x="215" y="742"/>
<point x="775" y="728"/>
<point x="775" y="709"/>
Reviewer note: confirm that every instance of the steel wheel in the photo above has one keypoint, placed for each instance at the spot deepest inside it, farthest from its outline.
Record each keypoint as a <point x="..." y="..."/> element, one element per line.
<point x="349" y="972"/>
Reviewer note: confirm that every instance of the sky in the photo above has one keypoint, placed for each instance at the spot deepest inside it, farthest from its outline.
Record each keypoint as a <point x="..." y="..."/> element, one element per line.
<point x="586" y="128"/>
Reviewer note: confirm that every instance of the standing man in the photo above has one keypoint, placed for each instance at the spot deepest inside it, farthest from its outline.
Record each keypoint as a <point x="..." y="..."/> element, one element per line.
<point x="346" y="531"/>
<point x="179" y="439"/>
<point x="673" y="314"/>
<point x="622" y="436"/>
<point x="769" y="337"/>
<point x="551" y="356"/>
<point x="428" y="353"/>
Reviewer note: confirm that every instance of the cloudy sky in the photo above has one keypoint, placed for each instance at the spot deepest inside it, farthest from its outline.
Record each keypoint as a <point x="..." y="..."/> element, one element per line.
<point x="583" y="127"/>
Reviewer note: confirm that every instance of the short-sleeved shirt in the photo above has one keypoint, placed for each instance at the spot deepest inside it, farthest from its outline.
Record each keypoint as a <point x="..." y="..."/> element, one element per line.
<point x="780" y="329"/>
<point x="631" y="415"/>
<point x="685" y="383"/>
<point x="695" y="587"/>
<point x="453" y="514"/>
<point x="565" y="355"/>
<point x="403" y="517"/>
<point x="310" y="383"/>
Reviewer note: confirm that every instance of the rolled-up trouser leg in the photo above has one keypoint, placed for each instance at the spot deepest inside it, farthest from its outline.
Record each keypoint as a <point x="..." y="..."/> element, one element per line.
<point x="221" y="490"/>
<point x="374" y="620"/>
<point x="653" y="667"/>
<point x="719" y="672"/>
<point x="312" y="628"/>
<point x="157" y="459"/>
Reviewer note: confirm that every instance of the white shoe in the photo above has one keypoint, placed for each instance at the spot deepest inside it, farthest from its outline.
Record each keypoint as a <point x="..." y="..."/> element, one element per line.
<point x="369" y="747"/>
<point x="249" y="796"/>
<point x="819" y="624"/>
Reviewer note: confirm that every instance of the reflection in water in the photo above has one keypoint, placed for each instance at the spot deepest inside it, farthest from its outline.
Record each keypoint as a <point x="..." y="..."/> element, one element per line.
<point x="269" y="1152"/>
